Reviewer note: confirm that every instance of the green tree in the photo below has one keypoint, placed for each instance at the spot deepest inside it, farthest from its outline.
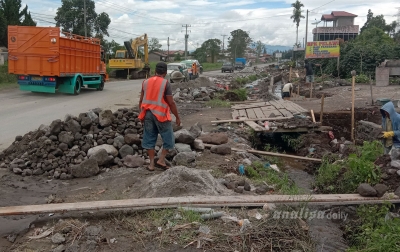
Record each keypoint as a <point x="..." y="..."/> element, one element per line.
<point x="259" y="48"/>
<point x="238" y="42"/>
<point x="200" y="54"/>
<point x="11" y="14"/>
<point x="379" y="22"/>
<point x="297" y="16"/>
<point x="154" y="45"/>
<point x="265" y="50"/>
<point x="212" y="47"/>
<point x="177" y="57"/>
<point x="70" y="16"/>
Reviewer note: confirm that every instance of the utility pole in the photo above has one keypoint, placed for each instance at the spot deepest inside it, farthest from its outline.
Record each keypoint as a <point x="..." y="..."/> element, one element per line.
<point x="186" y="39"/>
<point x="168" y="49"/>
<point x="223" y="42"/>
<point x="84" y="16"/>
<point x="305" y="44"/>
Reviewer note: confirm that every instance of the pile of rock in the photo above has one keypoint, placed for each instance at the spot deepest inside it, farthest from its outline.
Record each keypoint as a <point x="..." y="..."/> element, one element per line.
<point x="96" y="141"/>
<point x="189" y="95"/>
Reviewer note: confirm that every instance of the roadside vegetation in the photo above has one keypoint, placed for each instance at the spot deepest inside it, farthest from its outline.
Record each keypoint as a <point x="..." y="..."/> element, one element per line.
<point x="7" y="80"/>
<point x="344" y="176"/>
<point x="374" y="229"/>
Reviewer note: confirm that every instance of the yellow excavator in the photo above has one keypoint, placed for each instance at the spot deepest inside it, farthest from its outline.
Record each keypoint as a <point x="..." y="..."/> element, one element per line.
<point x="128" y="64"/>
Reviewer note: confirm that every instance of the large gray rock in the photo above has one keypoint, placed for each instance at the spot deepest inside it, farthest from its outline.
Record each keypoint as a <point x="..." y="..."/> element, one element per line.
<point x="55" y="127"/>
<point x="87" y="168"/>
<point x="133" y="161"/>
<point x="198" y="144"/>
<point x="132" y="139"/>
<point x="102" y="157"/>
<point x="381" y="189"/>
<point x="106" y="118"/>
<point x="223" y="149"/>
<point x="119" y="141"/>
<point x="196" y="130"/>
<point x="72" y="126"/>
<point x="170" y="155"/>
<point x="184" y="158"/>
<point x="125" y="151"/>
<point x="109" y="148"/>
<point x="86" y="122"/>
<point x="93" y="115"/>
<point x="180" y="147"/>
<point x="183" y="136"/>
<point x="66" y="137"/>
<point x="215" y="138"/>
<point x="366" y="190"/>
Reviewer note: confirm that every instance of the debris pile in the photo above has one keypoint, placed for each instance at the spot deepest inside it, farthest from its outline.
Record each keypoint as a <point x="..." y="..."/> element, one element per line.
<point x="189" y="95"/>
<point x="93" y="142"/>
<point x="182" y="181"/>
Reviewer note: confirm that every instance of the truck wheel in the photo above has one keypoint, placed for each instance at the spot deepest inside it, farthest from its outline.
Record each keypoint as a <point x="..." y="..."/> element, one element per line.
<point x="101" y="87"/>
<point x="77" y="87"/>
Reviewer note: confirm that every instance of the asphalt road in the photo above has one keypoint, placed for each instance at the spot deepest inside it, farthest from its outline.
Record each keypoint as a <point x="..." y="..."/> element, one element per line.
<point x="21" y="111"/>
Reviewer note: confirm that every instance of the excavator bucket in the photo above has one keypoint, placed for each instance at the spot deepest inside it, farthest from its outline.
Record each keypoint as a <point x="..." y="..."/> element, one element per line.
<point x="129" y="49"/>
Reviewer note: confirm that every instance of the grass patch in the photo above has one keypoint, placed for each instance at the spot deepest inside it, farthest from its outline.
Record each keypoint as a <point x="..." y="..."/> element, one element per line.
<point x="260" y="173"/>
<point x="242" y="81"/>
<point x="211" y="66"/>
<point x="252" y="77"/>
<point x="345" y="176"/>
<point x="372" y="232"/>
<point x="242" y="93"/>
<point x="7" y="80"/>
<point x="218" y="103"/>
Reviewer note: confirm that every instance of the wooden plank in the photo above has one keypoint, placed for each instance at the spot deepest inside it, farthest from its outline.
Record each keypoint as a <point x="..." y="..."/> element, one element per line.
<point x="251" y="114"/>
<point x="242" y="113"/>
<point x="286" y="113"/>
<point x="267" y="113"/>
<point x="259" y="113"/>
<point x="247" y="106"/>
<point x="198" y="201"/>
<point x="256" y="119"/>
<point x="312" y="116"/>
<point x="235" y="114"/>
<point x="278" y="104"/>
<point x="289" y="106"/>
<point x="303" y="110"/>
<point x="254" y="126"/>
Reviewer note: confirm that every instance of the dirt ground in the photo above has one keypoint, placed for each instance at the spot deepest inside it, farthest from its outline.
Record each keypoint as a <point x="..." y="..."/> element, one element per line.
<point x="342" y="95"/>
<point x="129" y="230"/>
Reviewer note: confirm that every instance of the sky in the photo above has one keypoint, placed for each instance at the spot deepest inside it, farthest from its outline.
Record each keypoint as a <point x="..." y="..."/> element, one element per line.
<point x="265" y="20"/>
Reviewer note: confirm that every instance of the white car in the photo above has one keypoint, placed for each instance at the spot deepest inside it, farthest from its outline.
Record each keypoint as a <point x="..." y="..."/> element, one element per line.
<point x="173" y="67"/>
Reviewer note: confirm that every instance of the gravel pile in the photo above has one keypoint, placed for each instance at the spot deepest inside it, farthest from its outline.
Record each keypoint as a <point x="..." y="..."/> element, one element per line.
<point x="86" y="145"/>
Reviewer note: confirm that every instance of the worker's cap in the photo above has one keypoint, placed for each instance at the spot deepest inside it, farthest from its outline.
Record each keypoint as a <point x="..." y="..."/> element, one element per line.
<point x="161" y="67"/>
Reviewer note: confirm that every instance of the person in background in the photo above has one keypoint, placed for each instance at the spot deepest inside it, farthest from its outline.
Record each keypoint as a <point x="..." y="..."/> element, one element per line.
<point x="190" y="72"/>
<point x="391" y="127"/>
<point x="155" y="104"/>
<point x="287" y="90"/>
<point x="310" y="71"/>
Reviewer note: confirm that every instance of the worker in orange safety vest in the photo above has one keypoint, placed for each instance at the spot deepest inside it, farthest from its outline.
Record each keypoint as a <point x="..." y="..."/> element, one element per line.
<point x="155" y="104"/>
<point x="194" y="69"/>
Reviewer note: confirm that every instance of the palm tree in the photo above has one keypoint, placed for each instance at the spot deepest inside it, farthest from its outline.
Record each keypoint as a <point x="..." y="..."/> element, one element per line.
<point x="297" y="15"/>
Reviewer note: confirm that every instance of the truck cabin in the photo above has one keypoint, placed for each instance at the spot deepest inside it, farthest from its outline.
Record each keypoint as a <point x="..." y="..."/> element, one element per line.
<point x="120" y="54"/>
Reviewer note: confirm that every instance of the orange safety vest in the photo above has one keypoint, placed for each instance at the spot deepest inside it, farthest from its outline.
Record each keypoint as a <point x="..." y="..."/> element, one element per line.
<point x="153" y="99"/>
<point x="194" y="68"/>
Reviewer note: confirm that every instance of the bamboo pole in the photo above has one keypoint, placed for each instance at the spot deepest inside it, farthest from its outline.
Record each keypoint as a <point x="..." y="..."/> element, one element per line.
<point x="312" y="116"/>
<point x="322" y="108"/>
<point x="353" y="73"/>
<point x="290" y="74"/>
<point x="311" y="89"/>
<point x="370" y="87"/>
<point x="270" y="153"/>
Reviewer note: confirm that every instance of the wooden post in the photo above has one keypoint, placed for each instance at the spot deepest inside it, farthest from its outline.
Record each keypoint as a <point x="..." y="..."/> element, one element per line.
<point x="338" y="68"/>
<point x="298" y="89"/>
<point x="353" y="73"/>
<point x="311" y="88"/>
<point x="312" y="115"/>
<point x="370" y="86"/>
<point x="290" y="74"/>
<point x="322" y="108"/>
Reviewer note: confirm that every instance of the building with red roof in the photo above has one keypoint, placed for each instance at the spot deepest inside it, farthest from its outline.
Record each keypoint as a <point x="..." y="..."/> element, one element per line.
<point x="338" y="24"/>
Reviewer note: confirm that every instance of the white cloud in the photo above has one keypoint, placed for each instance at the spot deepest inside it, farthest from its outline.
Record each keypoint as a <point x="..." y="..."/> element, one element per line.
<point x="212" y="18"/>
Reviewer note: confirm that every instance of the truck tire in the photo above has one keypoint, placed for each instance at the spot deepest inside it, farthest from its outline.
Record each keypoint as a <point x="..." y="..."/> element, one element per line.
<point x="101" y="87"/>
<point x="77" y="87"/>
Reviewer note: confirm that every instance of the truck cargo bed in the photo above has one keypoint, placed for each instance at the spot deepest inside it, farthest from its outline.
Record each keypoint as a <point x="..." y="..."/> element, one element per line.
<point x="43" y="51"/>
